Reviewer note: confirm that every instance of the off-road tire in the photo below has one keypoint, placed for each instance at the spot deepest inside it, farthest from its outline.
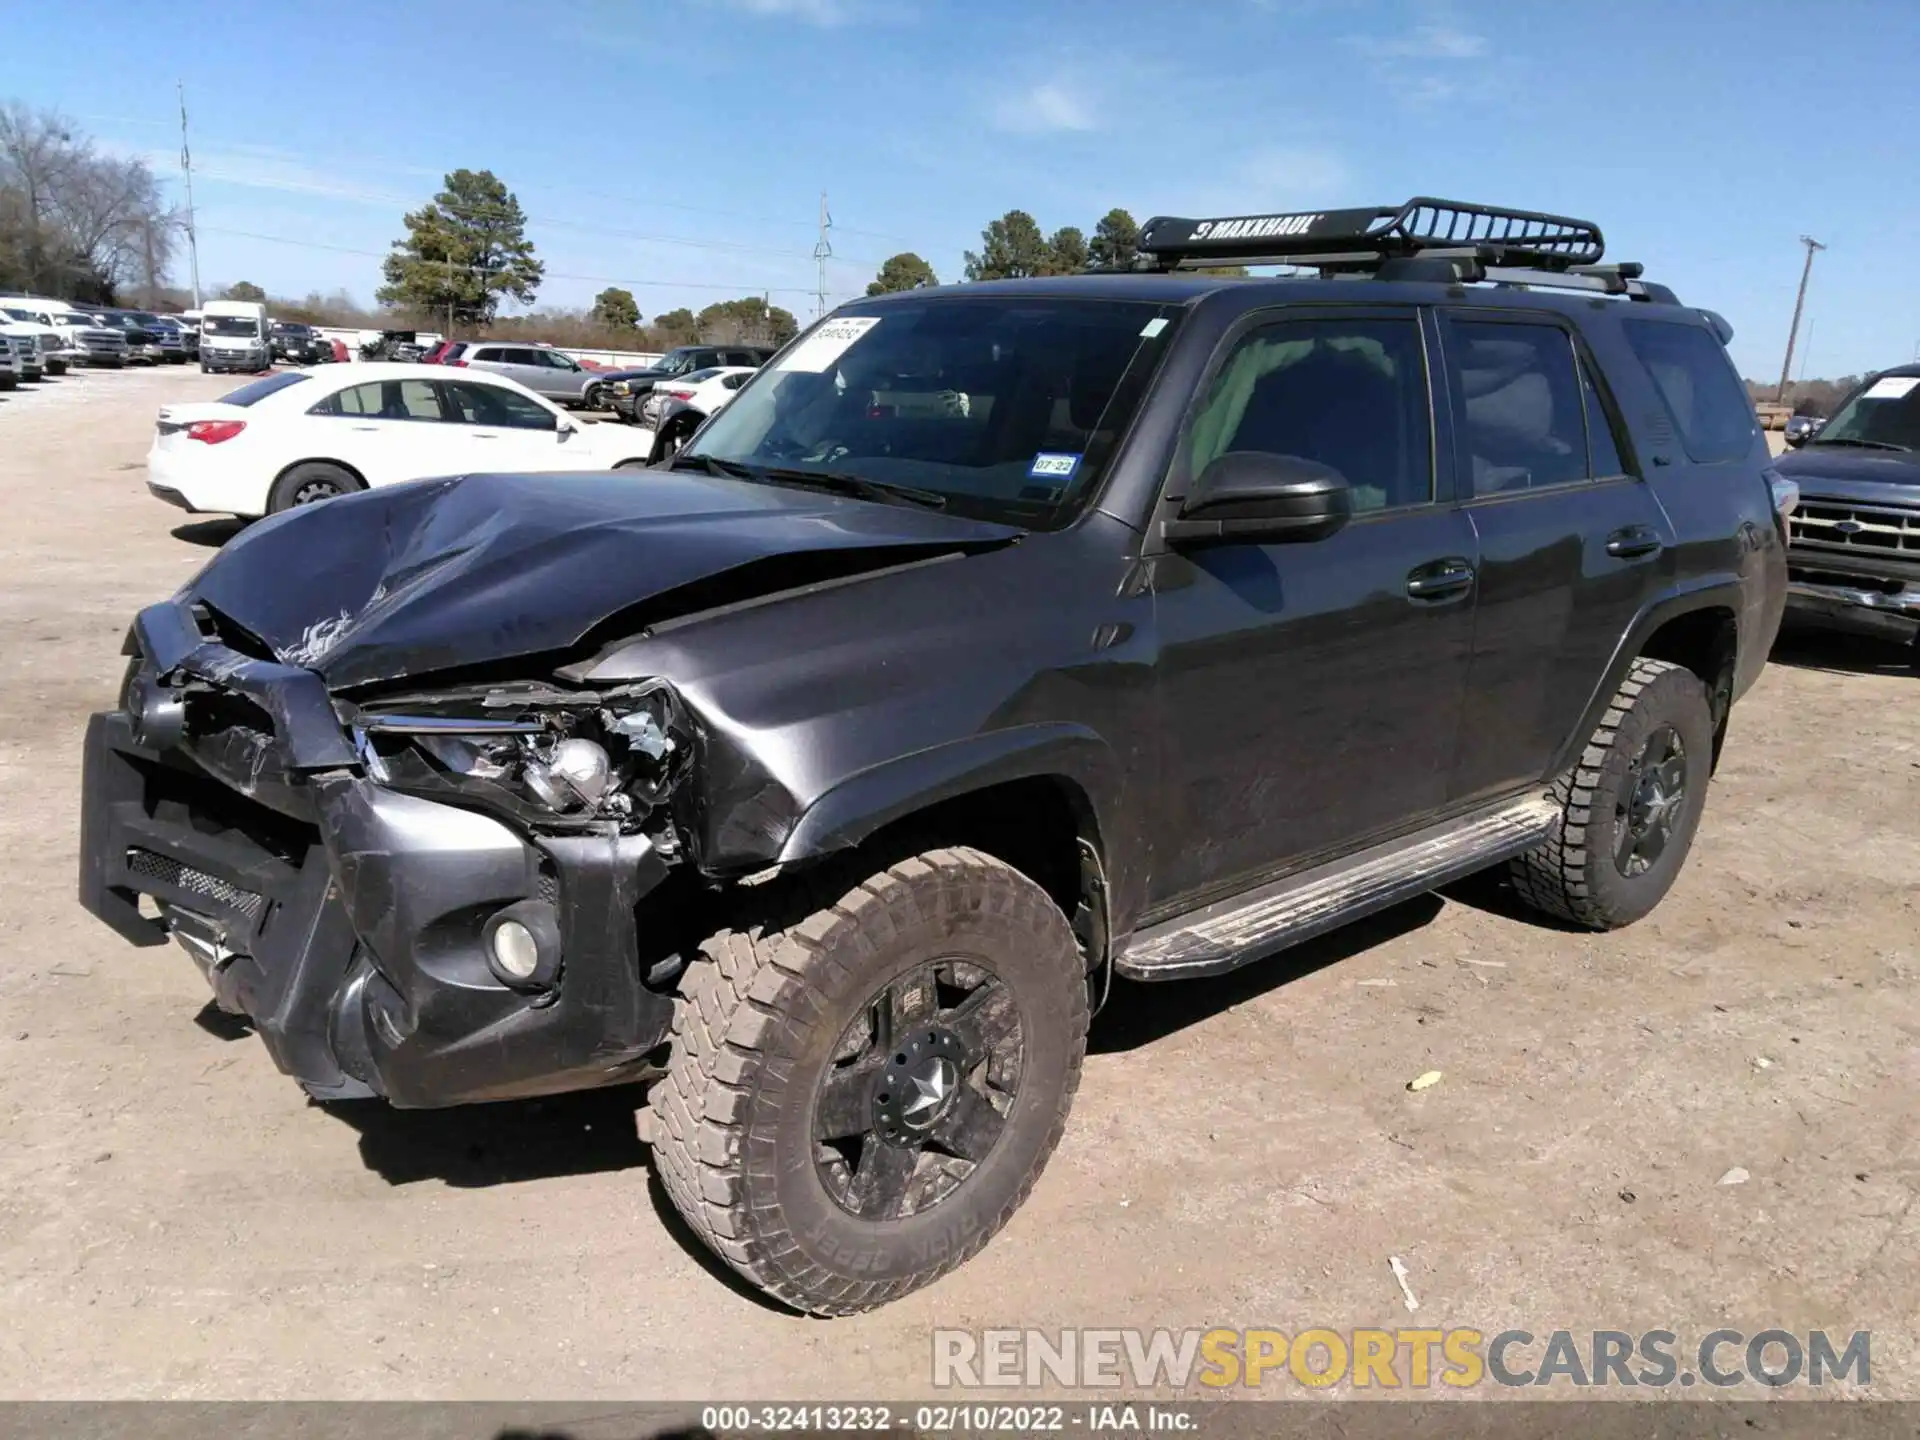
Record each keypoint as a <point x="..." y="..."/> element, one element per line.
<point x="307" y="477"/>
<point x="1572" y="874"/>
<point x="756" y="1025"/>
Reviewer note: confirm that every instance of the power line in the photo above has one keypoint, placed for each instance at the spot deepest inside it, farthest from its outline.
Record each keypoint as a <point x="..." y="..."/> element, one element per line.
<point x="547" y="275"/>
<point x="548" y="186"/>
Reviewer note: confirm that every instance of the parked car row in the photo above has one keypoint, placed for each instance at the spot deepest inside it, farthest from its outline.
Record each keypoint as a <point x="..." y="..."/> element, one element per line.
<point x="558" y="377"/>
<point x="47" y="337"/>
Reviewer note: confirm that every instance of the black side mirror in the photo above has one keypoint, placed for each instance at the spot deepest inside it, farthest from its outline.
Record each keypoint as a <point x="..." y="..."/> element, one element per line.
<point x="1250" y="496"/>
<point x="1796" y="438"/>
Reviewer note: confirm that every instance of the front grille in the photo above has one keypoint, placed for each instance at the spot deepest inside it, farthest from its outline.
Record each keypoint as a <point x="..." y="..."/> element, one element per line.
<point x="1856" y="529"/>
<point x="148" y="865"/>
<point x="103" y="340"/>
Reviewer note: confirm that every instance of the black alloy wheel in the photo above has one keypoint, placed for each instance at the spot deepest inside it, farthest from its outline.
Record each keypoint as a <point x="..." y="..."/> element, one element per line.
<point x="1655" y="793"/>
<point x="918" y="1092"/>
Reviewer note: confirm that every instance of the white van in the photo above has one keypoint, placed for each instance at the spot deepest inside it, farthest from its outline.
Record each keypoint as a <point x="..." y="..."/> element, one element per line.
<point x="233" y="336"/>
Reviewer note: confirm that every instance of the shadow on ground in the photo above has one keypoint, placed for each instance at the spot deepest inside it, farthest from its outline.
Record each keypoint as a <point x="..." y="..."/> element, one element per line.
<point x="1843" y="652"/>
<point x="471" y="1146"/>
<point x="1138" y="1014"/>
<point x="210" y="533"/>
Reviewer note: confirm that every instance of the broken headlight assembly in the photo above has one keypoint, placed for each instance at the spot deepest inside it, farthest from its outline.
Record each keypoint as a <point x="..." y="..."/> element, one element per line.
<point x="550" y="758"/>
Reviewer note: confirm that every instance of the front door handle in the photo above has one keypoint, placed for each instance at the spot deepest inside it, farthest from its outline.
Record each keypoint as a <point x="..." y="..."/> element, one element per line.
<point x="1633" y="542"/>
<point x="1440" y="579"/>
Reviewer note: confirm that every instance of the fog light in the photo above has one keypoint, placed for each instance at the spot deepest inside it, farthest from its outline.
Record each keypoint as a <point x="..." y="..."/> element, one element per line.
<point x="523" y="945"/>
<point x="516" y="954"/>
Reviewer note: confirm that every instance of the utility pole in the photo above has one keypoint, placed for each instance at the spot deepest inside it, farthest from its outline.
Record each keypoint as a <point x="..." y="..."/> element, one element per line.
<point x="1793" y="331"/>
<point x="186" y="169"/>
<point x="821" y="252"/>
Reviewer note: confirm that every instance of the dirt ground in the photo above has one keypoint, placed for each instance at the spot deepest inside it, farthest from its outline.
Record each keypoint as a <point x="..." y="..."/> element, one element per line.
<point x="177" y="1221"/>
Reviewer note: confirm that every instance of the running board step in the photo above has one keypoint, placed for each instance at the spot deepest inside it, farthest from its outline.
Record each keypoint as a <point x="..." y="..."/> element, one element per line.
<point x="1229" y="933"/>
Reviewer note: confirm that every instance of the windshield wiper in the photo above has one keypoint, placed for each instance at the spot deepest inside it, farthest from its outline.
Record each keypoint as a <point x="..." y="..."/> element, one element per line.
<point x="1863" y="444"/>
<point x="713" y="465"/>
<point x="843" y="482"/>
<point x="839" y="482"/>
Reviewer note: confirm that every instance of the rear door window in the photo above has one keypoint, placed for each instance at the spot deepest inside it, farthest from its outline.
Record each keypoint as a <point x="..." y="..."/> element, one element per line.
<point x="1520" y="407"/>
<point x="1696" y="380"/>
<point x="384" y="400"/>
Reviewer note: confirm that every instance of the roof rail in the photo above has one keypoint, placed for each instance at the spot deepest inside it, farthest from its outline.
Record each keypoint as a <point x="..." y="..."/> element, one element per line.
<point x="1364" y="238"/>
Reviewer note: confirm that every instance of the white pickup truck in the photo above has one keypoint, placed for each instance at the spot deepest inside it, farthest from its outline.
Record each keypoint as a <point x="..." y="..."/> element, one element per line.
<point x="63" y="335"/>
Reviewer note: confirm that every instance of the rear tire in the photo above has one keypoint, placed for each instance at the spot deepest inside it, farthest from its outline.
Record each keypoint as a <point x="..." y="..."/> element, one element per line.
<point x="309" y="483"/>
<point x="1629" y="806"/>
<point x="865" y="1083"/>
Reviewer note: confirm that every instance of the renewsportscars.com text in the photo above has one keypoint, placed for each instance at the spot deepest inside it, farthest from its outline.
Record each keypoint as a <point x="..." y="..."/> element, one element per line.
<point x="1419" y="1359"/>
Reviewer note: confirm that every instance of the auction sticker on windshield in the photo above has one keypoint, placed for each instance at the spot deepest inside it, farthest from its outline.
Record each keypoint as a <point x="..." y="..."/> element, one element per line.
<point x="1891" y="387"/>
<point x="828" y="343"/>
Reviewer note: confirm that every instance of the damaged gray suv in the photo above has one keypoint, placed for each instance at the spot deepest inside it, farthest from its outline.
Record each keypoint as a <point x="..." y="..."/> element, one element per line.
<point x="994" y="642"/>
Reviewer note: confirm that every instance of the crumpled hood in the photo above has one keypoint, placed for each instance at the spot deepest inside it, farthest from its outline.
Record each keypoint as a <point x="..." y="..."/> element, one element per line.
<point x="436" y="574"/>
<point x="1841" y="472"/>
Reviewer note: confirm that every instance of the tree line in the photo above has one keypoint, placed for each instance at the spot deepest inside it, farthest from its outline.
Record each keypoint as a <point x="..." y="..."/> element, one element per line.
<point x="76" y="223"/>
<point x="1014" y="247"/>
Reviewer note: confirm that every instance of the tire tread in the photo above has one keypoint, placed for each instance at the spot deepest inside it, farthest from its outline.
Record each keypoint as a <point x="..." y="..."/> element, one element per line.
<point x="751" y="981"/>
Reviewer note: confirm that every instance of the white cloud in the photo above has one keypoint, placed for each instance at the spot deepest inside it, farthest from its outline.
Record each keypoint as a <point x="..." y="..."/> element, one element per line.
<point x="825" y="13"/>
<point x="1049" y="107"/>
<point x="261" y="167"/>
<point x="1428" y="42"/>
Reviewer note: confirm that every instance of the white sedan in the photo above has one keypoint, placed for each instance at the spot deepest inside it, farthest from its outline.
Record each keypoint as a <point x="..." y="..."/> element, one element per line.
<point x="299" y="436"/>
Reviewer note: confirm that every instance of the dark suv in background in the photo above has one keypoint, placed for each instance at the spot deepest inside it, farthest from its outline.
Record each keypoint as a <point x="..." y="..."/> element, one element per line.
<point x="993" y="642"/>
<point x="297" y="344"/>
<point x="627" y="390"/>
<point x="1854" y="555"/>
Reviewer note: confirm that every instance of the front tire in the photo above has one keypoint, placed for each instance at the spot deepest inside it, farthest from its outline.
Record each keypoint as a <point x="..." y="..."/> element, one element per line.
<point x="310" y="483"/>
<point x="865" y="1084"/>
<point x="1629" y="806"/>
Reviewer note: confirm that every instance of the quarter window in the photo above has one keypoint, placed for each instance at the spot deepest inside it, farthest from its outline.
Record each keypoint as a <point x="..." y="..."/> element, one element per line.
<point x="1351" y="394"/>
<point x="1708" y="403"/>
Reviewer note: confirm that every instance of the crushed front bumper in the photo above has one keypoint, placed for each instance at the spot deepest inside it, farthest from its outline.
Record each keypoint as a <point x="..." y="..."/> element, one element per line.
<point x="343" y="918"/>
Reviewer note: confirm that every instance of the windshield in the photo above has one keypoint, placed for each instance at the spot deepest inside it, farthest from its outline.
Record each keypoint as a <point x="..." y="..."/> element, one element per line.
<point x="675" y="361"/>
<point x="1005" y="407"/>
<point x="229" y="325"/>
<point x="1884" y="416"/>
<point x="22" y="315"/>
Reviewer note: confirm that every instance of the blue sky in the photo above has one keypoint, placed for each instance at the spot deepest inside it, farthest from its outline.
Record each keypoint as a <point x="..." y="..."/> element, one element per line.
<point x="679" y="147"/>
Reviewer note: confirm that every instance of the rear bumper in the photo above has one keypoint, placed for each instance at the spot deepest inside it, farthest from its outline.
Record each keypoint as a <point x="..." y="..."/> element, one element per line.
<point x="350" y="933"/>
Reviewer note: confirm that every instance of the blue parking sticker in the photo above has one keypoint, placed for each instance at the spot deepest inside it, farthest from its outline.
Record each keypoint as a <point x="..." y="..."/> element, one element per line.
<point x="1053" y="467"/>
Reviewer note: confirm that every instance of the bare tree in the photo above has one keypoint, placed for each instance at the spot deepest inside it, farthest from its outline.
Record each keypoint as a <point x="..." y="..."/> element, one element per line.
<point x="74" y="221"/>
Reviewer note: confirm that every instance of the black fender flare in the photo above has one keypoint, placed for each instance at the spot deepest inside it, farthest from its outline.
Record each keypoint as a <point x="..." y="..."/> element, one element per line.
<point x="855" y="808"/>
<point x="1706" y="592"/>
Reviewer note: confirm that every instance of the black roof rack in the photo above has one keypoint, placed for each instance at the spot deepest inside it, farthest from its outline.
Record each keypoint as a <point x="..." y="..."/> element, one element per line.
<point x="1527" y="238"/>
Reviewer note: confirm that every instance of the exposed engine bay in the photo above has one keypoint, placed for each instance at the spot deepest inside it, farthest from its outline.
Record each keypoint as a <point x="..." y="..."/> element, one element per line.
<point x="555" y="760"/>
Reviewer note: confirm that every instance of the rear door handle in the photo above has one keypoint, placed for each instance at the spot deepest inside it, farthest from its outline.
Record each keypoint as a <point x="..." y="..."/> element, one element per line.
<point x="1440" y="579"/>
<point x="1633" y="542"/>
